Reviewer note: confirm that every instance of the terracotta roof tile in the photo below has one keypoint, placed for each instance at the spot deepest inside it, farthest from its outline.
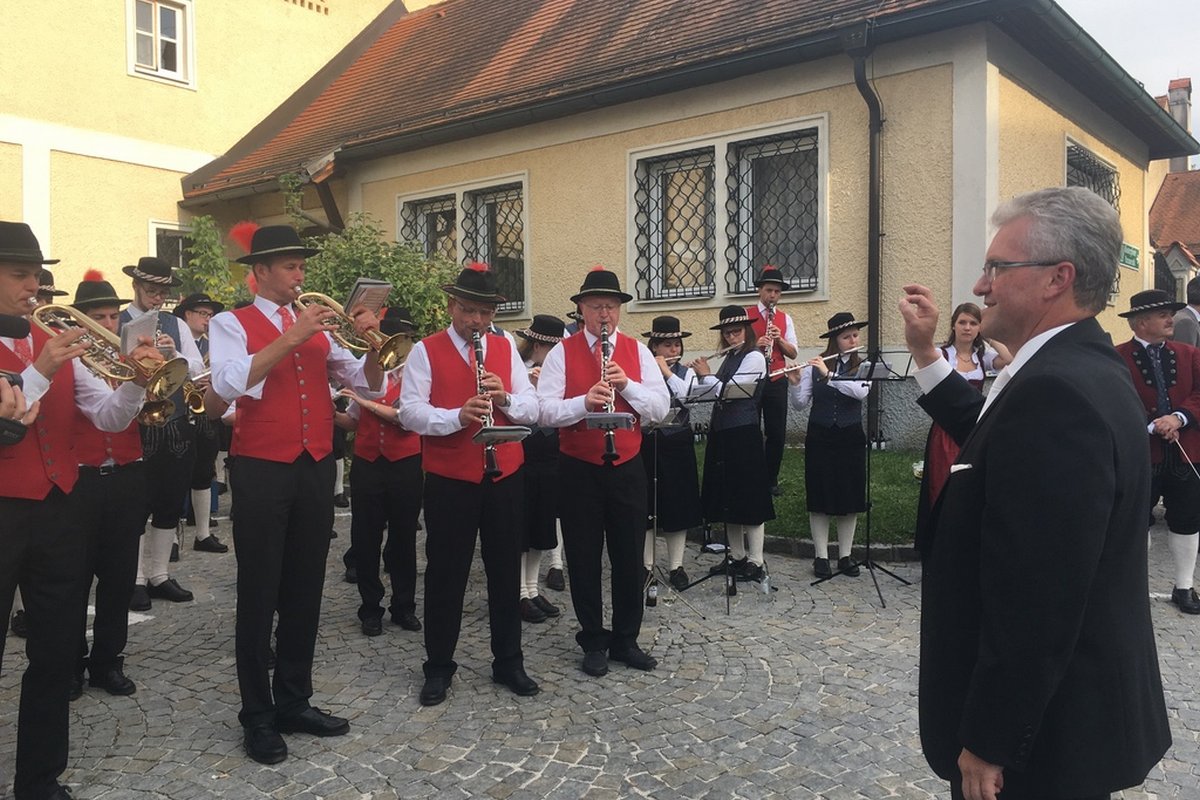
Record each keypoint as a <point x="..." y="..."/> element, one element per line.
<point x="1180" y="83"/>
<point x="1175" y="215"/>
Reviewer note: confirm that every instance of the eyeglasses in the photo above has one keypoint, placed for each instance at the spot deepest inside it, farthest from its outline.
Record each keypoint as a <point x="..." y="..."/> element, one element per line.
<point x="991" y="267"/>
<point x="155" y="291"/>
<point x="202" y="313"/>
<point x="599" y="308"/>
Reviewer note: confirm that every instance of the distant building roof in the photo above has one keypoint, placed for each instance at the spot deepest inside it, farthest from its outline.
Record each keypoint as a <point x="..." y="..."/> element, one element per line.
<point x="1180" y="83"/>
<point x="1175" y="215"/>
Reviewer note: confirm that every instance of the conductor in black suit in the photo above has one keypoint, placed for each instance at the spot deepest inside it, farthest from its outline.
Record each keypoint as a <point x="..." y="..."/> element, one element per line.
<point x="1039" y="675"/>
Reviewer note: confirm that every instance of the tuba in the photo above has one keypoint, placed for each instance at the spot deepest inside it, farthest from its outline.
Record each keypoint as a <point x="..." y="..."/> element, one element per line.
<point x="391" y="350"/>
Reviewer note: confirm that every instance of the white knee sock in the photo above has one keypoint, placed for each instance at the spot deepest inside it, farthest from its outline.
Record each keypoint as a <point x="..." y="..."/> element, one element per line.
<point x="1183" y="552"/>
<point x="142" y="556"/>
<point x="846" y="525"/>
<point x="339" y="481"/>
<point x="737" y="541"/>
<point x="755" y="535"/>
<point x="17" y="604"/>
<point x="556" y="561"/>
<point x="676" y="541"/>
<point x="648" y="551"/>
<point x="159" y="551"/>
<point x="532" y="560"/>
<point x="200" y="509"/>
<point x="819" y="524"/>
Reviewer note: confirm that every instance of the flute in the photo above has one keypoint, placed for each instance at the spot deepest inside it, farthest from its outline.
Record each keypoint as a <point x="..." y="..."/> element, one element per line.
<point x="795" y="367"/>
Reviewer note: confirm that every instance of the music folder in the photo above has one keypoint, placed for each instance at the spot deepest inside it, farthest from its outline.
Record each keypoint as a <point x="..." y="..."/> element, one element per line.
<point x="501" y="433"/>
<point x="606" y="421"/>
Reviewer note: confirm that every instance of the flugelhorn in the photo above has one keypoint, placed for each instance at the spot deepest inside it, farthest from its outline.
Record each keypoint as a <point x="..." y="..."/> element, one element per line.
<point x="391" y="350"/>
<point x="193" y="395"/>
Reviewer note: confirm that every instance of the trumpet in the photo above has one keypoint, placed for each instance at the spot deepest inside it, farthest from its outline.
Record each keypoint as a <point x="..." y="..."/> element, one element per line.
<point x="794" y="367"/>
<point x="193" y="395"/>
<point x="391" y="350"/>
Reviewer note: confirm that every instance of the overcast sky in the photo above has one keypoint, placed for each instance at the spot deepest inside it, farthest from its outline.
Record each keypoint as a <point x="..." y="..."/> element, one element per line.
<point x="1154" y="40"/>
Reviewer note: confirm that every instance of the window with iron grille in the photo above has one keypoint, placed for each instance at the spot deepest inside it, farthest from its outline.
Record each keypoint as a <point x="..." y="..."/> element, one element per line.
<point x="171" y="245"/>
<point x="433" y="224"/>
<point x="493" y="231"/>
<point x="676" y="221"/>
<point x="1084" y="169"/>
<point x="773" y="194"/>
<point x="160" y="39"/>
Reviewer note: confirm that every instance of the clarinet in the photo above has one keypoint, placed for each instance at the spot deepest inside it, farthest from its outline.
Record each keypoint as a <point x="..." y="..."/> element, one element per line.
<point x="490" y="468"/>
<point x="610" y="436"/>
<point x="770" y="342"/>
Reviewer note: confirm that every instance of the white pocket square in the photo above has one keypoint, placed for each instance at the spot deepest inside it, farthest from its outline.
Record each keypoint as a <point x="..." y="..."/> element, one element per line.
<point x="960" y="467"/>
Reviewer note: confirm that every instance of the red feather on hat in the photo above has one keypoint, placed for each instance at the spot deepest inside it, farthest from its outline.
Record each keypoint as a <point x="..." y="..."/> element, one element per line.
<point x="93" y="275"/>
<point x="478" y="266"/>
<point x="251" y="283"/>
<point x="243" y="234"/>
<point x="597" y="268"/>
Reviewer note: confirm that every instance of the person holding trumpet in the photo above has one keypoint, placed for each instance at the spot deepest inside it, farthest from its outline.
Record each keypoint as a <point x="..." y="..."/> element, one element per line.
<point x="275" y="360"/>
<point x="835" y="455"/>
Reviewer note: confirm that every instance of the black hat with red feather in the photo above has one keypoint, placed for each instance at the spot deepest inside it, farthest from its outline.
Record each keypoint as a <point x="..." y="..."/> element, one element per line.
<point x="93" y="290"/>
<point x="476" y="282"/>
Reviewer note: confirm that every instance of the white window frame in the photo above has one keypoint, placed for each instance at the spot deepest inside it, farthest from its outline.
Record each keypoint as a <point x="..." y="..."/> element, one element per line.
<point x="1066" y="169"/>
<point x="185" y="75"/>
<point x="664" y="165"/>
<point x="156" y="225"/>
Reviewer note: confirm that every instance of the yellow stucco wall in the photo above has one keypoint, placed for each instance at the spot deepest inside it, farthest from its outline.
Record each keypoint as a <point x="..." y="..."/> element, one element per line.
<point x="10" y="179"/>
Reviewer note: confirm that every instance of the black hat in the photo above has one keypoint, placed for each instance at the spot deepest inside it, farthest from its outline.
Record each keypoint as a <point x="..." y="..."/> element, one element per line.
<point x="771" y="274"/>
<point x="574" y="315"/>
<point x="476" y="282"/>
<point x="19" y="245"/>
<point x="275" y="240"/>
<point x="731" y="315"/>
<point x="93" y="290"/>
<point x="46" y="285"/>
<point x="1151" y="300"/>
<point x="544" y="328"/>
<point x="665" y="328"/>
<point x="194" y="301"/>
<point x="601" y="281"/>
<point x="396" y="320"/>
<point x="152" y="269"/>
<point x="840" y="322"/>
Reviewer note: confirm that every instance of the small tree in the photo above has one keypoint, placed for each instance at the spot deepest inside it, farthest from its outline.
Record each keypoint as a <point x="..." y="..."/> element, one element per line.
<point x="209" y="269"/>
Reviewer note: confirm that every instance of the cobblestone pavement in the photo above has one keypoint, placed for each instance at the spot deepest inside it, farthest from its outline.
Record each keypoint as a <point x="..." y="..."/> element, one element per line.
<point x="809" y="692"/>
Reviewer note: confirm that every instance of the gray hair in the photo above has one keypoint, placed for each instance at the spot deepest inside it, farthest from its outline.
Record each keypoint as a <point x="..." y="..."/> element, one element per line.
<point x="1071" y="224"/>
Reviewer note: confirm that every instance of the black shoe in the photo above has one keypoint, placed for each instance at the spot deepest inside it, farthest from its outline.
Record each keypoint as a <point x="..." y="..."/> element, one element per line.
<point x="408" y="620"/>
<point x="170" y="590"/>
<point x="76" y="686"/>
<point x="333" y="533"/>
<point x="264" y="744"/>
<point x="1187" y="600"/>
<point x="821" y="568"/>
<point x="112" y="680"/>
<point x="679" y="579"/>
<point x="595" y="663"/>
<point x="140" y="600"/>
<point x="351" y="575"/>
<point x="211" y="544"/>
<point x="554" y="579"/>
<point x="736" y="566"/>
<point x="20" y="625"/>
<point x="434" y="690"/>
<point x="313" y="721"/>
<point x="547" y="608"/>
<point x="754" y="572"/>
<point x="372" y="626"/>
<point x="530" y="612"/>
<point x="635" y="657"/>
<point x="341" y="501"/>
<point x="60" y="793"/>
<point x="517" y="681"/>
<point x="848" y="567"/>
<point x="174" y="552"/>
<point x="776" y="491"/>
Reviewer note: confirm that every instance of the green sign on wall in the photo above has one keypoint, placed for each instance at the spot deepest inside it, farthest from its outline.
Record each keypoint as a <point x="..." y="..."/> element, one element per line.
<point x="1129" y="255"/>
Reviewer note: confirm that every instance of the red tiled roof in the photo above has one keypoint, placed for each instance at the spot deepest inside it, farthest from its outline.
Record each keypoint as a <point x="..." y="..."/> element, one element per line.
<point x="1175" y="215"/>
<point x="1180" y="83"/>
<point x="1188" y="254"/>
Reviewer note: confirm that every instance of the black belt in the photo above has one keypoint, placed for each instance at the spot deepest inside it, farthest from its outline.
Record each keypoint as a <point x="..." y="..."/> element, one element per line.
<point x="108" y="469"/>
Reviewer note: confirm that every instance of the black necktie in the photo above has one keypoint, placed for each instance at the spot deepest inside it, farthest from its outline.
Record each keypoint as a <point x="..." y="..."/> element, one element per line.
<point x="1160" y="381"/>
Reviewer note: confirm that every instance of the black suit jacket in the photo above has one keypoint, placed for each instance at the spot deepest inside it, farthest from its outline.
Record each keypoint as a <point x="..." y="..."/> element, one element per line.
<point x="1037" y="650"/>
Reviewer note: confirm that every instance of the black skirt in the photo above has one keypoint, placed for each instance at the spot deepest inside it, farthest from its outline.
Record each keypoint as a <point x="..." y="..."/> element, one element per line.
<point x="541" y="491"/>
<point x="835" y="470"/>
<point x="736" y="488"/>
<point x="677" y="479"/>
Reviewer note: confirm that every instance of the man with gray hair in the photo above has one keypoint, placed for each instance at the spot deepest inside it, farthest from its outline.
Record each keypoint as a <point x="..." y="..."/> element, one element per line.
<point x="1039" y="674"/>
<point x="1187" y="319"/>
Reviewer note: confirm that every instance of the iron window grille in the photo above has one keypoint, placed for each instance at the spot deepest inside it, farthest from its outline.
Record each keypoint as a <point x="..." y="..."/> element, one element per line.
<point x="493" y="231"/>
<point x="773" y="205"/>
<point x="433" y="224"/>
<point x="171" y="245"/>
<point x="676" y="222"/>
<point x="1084" y="169"/>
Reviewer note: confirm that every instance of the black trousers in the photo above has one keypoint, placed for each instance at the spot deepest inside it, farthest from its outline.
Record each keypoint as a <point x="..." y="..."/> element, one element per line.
<point x="1017" y="788"/>
<point x="45" y="549"/>
<point x="773" y="411"/>
<point x="208" y="444"/>
<point x="603" y="504"/>
<point x="454" y="511"/>
<point x="385" y="494"/>
<point x="170" y="454"/>
<point x="112" y="502"/>
<point x="281" y="539"/>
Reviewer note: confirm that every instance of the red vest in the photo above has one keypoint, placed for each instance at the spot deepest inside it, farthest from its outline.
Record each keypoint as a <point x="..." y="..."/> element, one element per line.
<point x="45" y="458"/>
<point x="581" y="371"/>
<point x="456" y="456"/>
<point x="93" y="447"/>
<point x="377" y="437"/>
<point x="759" y="323"/>
<point x="295" y="413"/>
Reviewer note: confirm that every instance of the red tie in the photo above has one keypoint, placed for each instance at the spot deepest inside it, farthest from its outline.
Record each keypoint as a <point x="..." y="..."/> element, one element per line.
<point x="288" y="319"/>
<point x="21" y="348"/>
<point x="598" y="350"/>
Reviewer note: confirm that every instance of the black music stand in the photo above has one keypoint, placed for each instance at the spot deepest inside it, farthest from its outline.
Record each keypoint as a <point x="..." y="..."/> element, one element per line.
<point x="875" y="370"/>
<point x="497" y="434"/>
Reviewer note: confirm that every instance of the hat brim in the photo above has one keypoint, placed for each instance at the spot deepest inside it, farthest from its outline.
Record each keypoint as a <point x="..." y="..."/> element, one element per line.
<point x="51" y="292"/>
<point x="730" y="322"/>
<point x="782" y="284"/>
<point x="101" y="301"/>
<point x="534" y="336"/>
<point x="466" y="294"/>
<point x="257" y="256"/>
<point x="216" y="307"/>
<point x="840" y="328"/>
<point x="624" y="298"/>
<point x="1133" y="312"/>
<point x="25" y="258"/>
<point x="660" y="335"/>
<point x="137" y="274"/>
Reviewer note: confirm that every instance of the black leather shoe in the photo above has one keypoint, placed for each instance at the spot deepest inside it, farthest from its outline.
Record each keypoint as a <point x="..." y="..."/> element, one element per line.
<point x="372" y="626"/>
<point x="140" y="600"/>
<point x="314" y="721"/>
<point x="848" y="567"/>
<point x="547" y="608"/>
<point x="634" y="657"/>
<point x="821" y="567"/>
<point x="20" y="625"/>
<point x="517" y="681"/>
<point x="1187" y="600"/>
<point x="595" y="663"/>
<point x="408" y="620"/>
<point x="434" y="690"/>
<point x="174" y="552"/>
<point x="341" y="501"/>
<point x="555" y="580"/>
<point x="264" y="744"/>
<point x="679" y="579"/>
<point x="211" y="544"/>
<point x="170" y="590"/>
<point x="76" y="686"/>
<point x="530" y="612"/>
<point x="60" y="793"/>
<point x="351" y="575"/>
<point x="112" y="680"/>
<point x="754" y="572"/>
<point x="737" y="566"/>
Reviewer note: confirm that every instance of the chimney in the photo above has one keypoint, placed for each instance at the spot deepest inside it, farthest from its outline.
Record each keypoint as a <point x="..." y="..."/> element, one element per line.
<point x="1179" y="105"/>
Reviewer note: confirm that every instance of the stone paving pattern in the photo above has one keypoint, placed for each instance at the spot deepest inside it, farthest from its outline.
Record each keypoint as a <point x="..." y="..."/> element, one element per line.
<point x="809" y="692"/>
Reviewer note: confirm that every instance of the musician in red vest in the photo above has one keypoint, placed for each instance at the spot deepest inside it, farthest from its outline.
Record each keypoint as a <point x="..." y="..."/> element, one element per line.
<point x="446" y="397"/>
<point x="605" y="501"/>
<point x="385" y="492"/>
<point x="777" y="336"/>
<point x="42" y="535"/>
<point x="276" y="361"/>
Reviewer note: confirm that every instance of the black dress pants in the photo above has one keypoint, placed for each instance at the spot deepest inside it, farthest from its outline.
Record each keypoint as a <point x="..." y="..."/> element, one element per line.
<point x="385" y="494"/>
<point x="45" y="549"/>
<point x="604" y="505"/>
<point x="281" y="539"/>
<point x="170" y="454"/>
<point x="1017" y="787"/>
<point x="454" y="511"/>
<point x="773" y="410"/>
<point x="208" y="444"/>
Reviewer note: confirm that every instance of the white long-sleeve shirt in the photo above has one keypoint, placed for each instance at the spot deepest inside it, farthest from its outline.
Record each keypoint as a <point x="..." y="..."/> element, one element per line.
<point x="648" y="397"/>
<point x="801" y="394"/>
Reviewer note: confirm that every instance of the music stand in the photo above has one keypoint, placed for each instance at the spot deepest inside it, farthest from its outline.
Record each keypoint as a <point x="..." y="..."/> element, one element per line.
<point x="497" y="434"/>
<point x="875" y="370"/>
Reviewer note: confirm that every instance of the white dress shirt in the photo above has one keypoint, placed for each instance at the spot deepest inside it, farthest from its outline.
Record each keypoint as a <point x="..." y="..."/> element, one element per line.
<point x="789" y="335"/>
<point x="752" y="368"/>
<point x="801" y="394"/>
<point x="648" y="397"/>
<point x="187" y="342"/>
<point x="417" y="414"/>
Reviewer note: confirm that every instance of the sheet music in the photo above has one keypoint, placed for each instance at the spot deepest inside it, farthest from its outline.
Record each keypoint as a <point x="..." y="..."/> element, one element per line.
<point x="368" y="292"/>
<point x="131" y="331"/>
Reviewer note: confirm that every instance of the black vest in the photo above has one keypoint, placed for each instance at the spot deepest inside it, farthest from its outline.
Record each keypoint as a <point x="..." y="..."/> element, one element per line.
<point x="831" y="408"/>
<point x="735" y="413"/>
